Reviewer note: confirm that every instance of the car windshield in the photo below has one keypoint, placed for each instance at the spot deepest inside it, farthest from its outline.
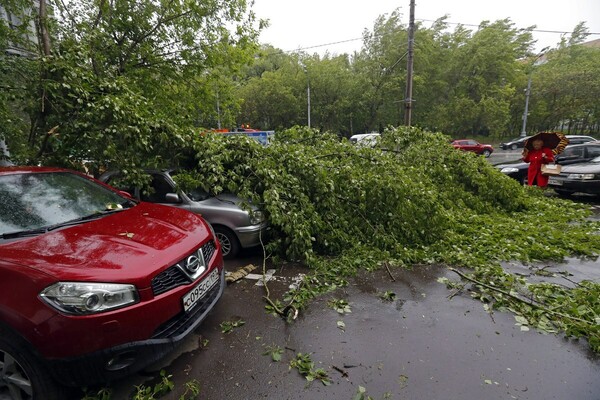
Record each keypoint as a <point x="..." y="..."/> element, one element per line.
<point x="33" y="201"/>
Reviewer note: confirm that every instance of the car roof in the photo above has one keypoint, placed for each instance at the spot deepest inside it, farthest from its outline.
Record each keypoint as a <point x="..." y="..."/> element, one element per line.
<point x="592" y="143"/>
<point x="579" y="136"/>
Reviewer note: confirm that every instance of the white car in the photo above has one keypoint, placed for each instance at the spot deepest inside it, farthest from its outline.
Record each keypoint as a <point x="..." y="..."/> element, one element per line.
<point x="365" y="139"/>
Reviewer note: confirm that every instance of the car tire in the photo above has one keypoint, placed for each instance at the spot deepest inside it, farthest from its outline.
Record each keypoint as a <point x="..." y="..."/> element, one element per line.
<point x="563" y="193"/>
<point x="523" y="180"/>
<point x="230" y="245"/>
<point x="486" y="153"/>
<point x="22" y="376"/>
<point x="514" y="147"/>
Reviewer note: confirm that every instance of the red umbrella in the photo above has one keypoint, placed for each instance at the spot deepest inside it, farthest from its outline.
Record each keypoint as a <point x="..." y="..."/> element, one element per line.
<point x="556" y="141"/>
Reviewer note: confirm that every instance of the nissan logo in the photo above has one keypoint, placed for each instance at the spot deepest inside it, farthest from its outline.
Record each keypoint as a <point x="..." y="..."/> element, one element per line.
<point x="192" y="264"/>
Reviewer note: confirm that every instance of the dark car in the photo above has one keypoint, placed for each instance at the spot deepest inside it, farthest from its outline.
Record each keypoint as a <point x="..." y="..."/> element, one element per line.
<point x="94" y="285"/>
<point x="235" y="227"/>
<point x="514" y="144"/>
<point x="473" y="146"/>
<point x="572" y="154"/>
<point x="578" y="178"/>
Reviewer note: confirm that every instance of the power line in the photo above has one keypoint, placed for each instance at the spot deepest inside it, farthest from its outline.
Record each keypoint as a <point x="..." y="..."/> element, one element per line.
<point x="422" y="20"/>
<point x="320" y="45"/>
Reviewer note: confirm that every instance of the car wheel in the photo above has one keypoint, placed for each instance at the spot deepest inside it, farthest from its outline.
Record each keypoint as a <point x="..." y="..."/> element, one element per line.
<point x="563" y="193"/>
<point x="514" y="147"/>
<point x="22" y="377"/>
<point x="486" y="153"/>
<point x="523" y="180"/>
<point x="230" y="246"/>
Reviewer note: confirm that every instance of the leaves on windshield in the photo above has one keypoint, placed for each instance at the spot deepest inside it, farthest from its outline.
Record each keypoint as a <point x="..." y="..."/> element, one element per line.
<point x="114" y="206"/>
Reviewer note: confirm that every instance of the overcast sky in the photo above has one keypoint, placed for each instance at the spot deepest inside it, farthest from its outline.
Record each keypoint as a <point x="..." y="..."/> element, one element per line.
<point x="306" y="24"/>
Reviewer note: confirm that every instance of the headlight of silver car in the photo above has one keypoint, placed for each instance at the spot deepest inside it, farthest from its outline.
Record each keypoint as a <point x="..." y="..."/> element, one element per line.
<point x="81" y="298"/>
<point x="509" y="170"/>
<point x="256" y="217"/>
<point x="581" y="176"/>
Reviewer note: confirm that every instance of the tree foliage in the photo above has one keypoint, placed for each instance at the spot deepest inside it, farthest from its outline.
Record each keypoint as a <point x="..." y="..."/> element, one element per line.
<point x="412" y="199"/>
<point x="126" y="81"/>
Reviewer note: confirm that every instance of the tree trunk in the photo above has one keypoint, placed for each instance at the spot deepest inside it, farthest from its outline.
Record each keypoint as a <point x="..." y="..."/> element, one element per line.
<point x="43" y="24"/>
<point x="46" y="50"/>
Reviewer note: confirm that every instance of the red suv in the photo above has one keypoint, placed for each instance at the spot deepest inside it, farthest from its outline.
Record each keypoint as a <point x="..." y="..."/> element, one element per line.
<point x="93" y="284"/>
<point x="472" y="145"/>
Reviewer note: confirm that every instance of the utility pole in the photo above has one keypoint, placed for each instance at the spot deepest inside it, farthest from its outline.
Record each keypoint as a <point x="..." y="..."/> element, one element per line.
<point x="218" y="111"/>
<point x="308" y="95"/>
<point x="528" y="91"/>
<point x="526" y="112"/>
<point x="409" y="65"/>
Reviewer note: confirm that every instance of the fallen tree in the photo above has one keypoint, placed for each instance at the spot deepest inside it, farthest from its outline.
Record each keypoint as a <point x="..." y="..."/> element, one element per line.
<point x="411" y="199"/>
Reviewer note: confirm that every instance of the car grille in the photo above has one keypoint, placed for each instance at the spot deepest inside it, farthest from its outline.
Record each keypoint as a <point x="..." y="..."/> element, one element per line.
<point x="174" y="276"/>
<point x="179" y="324"/>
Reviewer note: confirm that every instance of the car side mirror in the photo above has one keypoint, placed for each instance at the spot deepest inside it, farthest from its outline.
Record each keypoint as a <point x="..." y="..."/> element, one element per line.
<point x="172" y="198"/>
<point x="125" y="194"/>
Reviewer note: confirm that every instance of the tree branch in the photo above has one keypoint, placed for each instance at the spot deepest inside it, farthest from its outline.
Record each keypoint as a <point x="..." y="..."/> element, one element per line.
<point x="531" y="303"/>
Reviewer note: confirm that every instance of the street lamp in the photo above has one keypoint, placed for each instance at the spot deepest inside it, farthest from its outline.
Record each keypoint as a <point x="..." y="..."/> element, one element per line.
<point x="528" y="91"/>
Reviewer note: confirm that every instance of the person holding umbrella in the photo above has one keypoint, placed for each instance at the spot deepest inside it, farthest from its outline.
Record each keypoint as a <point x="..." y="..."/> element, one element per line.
<point x="539" y="150"/>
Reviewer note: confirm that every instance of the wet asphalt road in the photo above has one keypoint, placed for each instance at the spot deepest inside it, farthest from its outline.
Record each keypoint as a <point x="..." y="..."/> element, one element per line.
<point x="422" y="345"/>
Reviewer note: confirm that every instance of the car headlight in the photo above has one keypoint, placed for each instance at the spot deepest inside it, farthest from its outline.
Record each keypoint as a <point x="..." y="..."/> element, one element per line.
<point x="581" y="176"/>
<point x="509" y="170"/>
<point x="256" y="217"/>
<point x="81" y="298"/>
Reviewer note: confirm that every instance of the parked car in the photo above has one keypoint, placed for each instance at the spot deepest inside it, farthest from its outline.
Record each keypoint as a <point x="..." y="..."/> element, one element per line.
<point x="235" y="227"/>
<point x="474" y="146"/>
<point x="94" y="285"/>
<point x="514" y="144"/>
<point x="573" y="154"/>
<point x="582" y="178"/>
<point x="365" y="139"/>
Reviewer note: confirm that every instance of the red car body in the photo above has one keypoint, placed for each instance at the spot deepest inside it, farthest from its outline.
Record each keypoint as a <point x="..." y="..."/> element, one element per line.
<point x="473" y="146"/>
<point x="148" y="246"/>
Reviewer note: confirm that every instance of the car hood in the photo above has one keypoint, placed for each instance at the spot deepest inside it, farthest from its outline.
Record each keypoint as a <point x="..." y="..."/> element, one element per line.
<point x="582" y="168"/>
<point x="130" y="246"/>
<point x="226" y="200"/>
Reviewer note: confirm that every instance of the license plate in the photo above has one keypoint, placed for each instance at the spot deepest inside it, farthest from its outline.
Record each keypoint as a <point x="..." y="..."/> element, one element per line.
<point x="554" y="181"/>
<point x="200" y="290"/>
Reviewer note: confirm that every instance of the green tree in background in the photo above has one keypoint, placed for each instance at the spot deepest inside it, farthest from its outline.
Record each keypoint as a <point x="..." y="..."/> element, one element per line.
<point x="567" y="87"/>
<point x="126" y="82"/>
